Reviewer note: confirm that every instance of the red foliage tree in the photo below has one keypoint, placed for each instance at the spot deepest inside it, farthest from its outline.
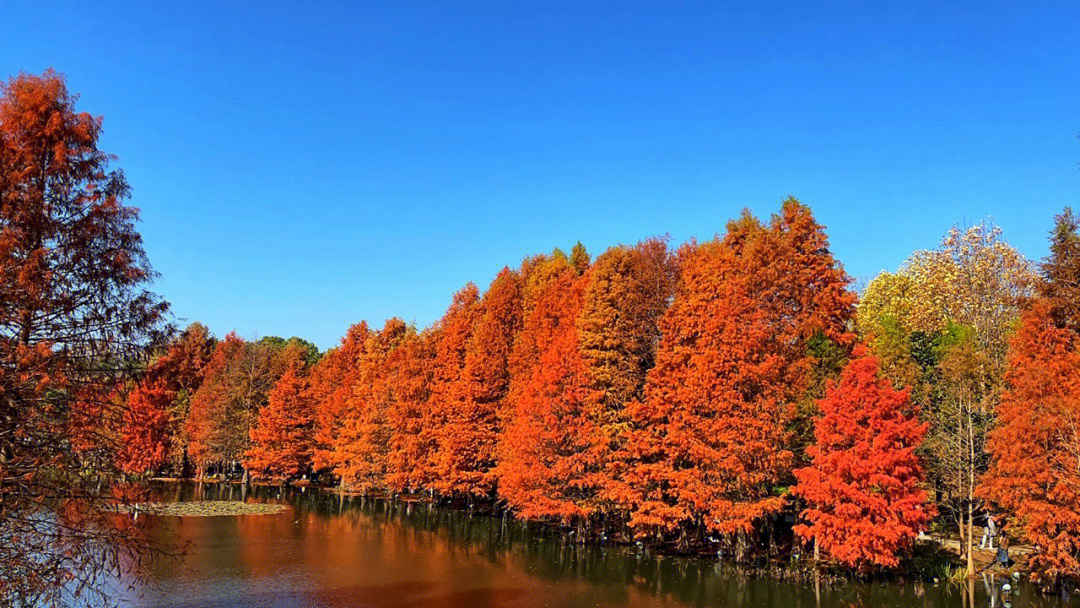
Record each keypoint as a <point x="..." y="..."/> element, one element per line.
<point x="863" y="494"/>
<point x="552" y="447"/>
<point x="710" y="442"/>
<point x="1035" y="448"/>
<point x="238" y="382"/>
<point x="331" y="383"/>
<point x="75" y="311"/>
<point x="144" y="436"/>
<point x="207" y="425"/>
<point x="449" y="422"/>
<point x="282" y="440"/>
<point x="618" y="331"/>
<point x="409" y="371"/>
<point x="471" y="459"/>
<point x="362" y="446"/>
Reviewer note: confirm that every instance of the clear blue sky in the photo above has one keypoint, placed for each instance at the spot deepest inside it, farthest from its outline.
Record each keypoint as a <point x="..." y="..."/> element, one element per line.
<point x="302" y="168"/>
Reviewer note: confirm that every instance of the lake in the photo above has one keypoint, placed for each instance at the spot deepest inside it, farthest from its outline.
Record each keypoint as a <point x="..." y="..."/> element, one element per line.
<point x="335" y="551"/>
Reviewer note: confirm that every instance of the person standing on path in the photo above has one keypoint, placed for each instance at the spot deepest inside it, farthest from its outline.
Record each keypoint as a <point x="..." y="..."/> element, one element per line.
<point x="989" y="533"/>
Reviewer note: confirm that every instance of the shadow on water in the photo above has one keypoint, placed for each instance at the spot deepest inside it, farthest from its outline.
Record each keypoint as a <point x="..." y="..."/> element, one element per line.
<point x="333" y="550"/>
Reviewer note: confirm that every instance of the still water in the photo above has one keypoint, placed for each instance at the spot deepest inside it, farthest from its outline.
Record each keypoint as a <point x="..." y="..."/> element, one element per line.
<point x="333" y="551"/>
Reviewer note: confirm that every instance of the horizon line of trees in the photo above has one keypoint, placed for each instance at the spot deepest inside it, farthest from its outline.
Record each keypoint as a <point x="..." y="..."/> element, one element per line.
<point x="690" y="397"/>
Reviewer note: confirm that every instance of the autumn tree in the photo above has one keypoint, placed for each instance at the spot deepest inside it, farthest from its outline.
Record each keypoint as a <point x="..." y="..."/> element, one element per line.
<point x="1033" y="474"/>
<point x="176" y="373"/>
<point x="470" y="459"/>
<point x="144" y="435"/>
<point x="862" y="490"/>
<point x="330" y="385"/>
<point x="75" y="314"/>
<point x="238" y="381"/>
<point x="362" y="445"/>
<point x="207" y="428"/>
<point x="409" y="370"/>
<point x="618" y="331"/>
<point x="941" y="324"/>
<point x="1036" y="446"/>
<point x="1061" y="271"/>
<point x="710" y="443"/>
<point x="282" y="439"/>
<point x="449" y="423"/>
<point x="551" y="447"/>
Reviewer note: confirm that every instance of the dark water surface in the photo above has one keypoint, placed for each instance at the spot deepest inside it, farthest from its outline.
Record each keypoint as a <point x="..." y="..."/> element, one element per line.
<point x="334" y="551"/>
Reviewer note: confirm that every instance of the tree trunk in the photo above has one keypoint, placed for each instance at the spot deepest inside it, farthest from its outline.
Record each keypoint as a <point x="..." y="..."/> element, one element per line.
<point x="970" y="540"/>
<point x="971" y="496"/>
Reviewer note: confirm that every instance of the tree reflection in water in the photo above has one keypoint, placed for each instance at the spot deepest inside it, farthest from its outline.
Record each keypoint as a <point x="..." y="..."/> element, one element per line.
<point x="337" y="550"/>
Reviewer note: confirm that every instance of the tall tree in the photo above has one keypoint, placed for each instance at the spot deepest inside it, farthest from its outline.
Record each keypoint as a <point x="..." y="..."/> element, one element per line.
<point x="942" y="325"/>
<point x="1034" y="475"/>
<point x="362" y="445"/>
<point x="282" y="439"/>
<point x="409" y="369"/>
<point x="1061" y="271"/>
<point x="207" y="427"/>
<point x="236" y="388"/>
<point x="179" y="371"/>
<point x="472" y="457"/>
<point x="618" y="331"/>
<point x="863" y="494"/>
<point x="449" y="423"/>
<point x="75" y="311"/>
<point x="144" y="436"/>
<point x="710" y="443"/>
<point x="331" y="383"/>
<point x="551" y="446"/>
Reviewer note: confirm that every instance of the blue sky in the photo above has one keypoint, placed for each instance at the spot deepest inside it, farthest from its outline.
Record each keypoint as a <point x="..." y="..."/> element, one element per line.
<point x="300" y="168"/>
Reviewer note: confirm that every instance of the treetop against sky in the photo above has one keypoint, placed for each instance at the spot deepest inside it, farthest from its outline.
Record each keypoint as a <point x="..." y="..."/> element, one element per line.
<point x="300" y="168"/>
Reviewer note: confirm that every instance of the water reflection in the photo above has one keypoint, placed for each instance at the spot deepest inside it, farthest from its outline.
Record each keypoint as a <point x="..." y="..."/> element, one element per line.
<point x="332" y="550"/>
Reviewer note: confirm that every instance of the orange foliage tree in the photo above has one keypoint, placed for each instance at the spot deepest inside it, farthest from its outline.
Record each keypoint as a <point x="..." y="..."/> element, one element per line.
<point x="181" y="370"/>
<point x="862" y="489"/>
<point x="409" y="371"/>
<point x="75" y="312"/>
<point x="282" y="440"/>
<point x="471" y="459"/>
<point x="449" y="423"/>
<point x="552" y="446"/>
<point x="1035" y="448"/>
<point x="628" y="290"/>
<point x="330" y="384"/>
<point x="709" y="445"/>
<point x="237" y="385"/>
<point x="152" y="432"/>
<point x="361" y="447"/>
<point x="207" y="424"/>
<point x="144" y="435"/>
